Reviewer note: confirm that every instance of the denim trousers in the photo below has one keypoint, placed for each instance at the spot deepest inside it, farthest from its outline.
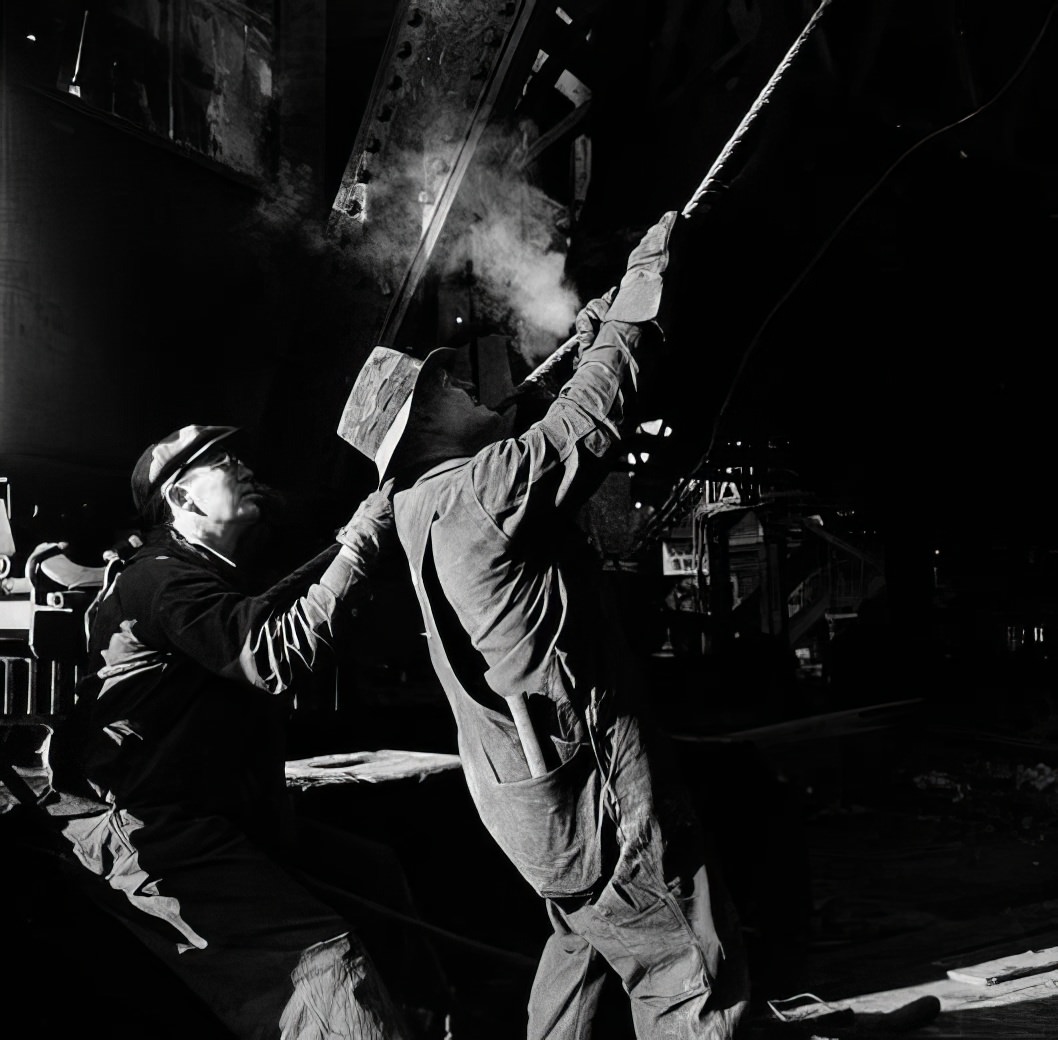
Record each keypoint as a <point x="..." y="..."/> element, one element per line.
<point x="662" y="921"/>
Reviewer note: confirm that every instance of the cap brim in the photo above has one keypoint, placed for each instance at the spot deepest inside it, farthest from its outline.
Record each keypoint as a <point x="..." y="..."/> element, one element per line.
<point x="221" y="433"/>
<point x="442" y="357"/>
<point x="224" y="433"/>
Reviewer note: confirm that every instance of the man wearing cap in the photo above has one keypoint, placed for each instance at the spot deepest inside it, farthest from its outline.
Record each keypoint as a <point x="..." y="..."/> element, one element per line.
<point x="179" y="733"/>
<point x="564" y="776"/>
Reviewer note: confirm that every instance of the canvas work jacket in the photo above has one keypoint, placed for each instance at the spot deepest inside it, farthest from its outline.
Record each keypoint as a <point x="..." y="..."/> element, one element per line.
<point x="510" y="597"/>
<point x="186" y="705"/>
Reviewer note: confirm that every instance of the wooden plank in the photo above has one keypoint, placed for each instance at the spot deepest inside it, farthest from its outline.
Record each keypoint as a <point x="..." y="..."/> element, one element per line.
<point x="1002" y="950"/>
<point x="1012" y="1011"/>
<point x="367" y="767"/>
<point x="989" y="973"/>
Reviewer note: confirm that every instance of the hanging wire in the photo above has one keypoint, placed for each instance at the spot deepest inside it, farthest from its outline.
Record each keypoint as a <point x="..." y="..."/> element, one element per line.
<point x="675" y="499"/>
<point x="782" y="1016"/>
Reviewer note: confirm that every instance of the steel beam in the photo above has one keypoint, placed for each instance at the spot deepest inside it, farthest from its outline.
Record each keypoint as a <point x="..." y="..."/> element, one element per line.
<point x="436" y="87"/>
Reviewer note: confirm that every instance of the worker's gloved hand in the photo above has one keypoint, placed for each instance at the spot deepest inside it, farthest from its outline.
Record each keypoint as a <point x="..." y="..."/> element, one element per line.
<point x="639" y="294"/>
<point x="591" y="316"/>
<point x="372" y="521"/>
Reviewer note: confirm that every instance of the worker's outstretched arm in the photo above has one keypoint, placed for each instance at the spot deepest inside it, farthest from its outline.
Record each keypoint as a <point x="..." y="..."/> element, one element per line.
<point x="269" y="640"/>
<point x="562" y="459"/>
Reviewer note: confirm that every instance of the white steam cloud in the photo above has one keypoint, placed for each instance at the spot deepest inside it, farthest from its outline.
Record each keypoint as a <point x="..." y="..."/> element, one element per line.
<point x="511" y="232"/>
<point x="514" y="234"/>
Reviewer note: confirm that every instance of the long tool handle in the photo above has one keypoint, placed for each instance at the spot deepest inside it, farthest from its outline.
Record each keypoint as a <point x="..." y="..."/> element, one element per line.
<point x="540" y="373"/>
<point x="519" y="706"/>
<point x="553" y="359"/>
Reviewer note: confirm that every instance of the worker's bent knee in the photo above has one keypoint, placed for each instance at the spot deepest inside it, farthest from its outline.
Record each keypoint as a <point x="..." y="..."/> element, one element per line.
<point x="338" y="994"/>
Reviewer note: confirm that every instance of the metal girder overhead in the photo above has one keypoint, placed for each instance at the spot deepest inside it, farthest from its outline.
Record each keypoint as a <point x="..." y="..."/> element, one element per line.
<point x="443" y="69"/>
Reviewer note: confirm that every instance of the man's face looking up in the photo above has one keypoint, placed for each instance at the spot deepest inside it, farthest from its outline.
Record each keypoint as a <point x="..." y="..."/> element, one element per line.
<point x="220" y="487"/>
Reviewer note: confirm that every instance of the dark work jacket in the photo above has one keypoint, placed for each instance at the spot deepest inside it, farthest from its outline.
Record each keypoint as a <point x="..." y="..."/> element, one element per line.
<point x="510" y="598"/>
<point x="188" y="701"/>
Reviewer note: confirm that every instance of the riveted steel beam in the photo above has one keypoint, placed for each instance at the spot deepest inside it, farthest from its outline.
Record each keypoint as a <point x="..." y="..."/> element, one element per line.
<point x="436" y="87"/>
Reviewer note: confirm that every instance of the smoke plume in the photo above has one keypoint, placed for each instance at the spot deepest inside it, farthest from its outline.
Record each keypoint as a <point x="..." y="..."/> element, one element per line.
<point x="512" y="233"/>
<point x="515" y="236"/>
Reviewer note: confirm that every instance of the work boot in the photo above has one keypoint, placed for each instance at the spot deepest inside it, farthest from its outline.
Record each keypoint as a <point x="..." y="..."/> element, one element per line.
<point x="639" y="294"/>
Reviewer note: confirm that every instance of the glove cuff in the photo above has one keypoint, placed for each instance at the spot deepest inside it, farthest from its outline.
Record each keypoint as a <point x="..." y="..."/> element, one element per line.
<point x="361" y="535"/>
<point x="639" y="294"/>
<point x="639" y="299"/>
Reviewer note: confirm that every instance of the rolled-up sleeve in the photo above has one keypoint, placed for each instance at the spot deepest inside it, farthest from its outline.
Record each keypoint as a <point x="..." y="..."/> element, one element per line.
<point x="562" y="458"/>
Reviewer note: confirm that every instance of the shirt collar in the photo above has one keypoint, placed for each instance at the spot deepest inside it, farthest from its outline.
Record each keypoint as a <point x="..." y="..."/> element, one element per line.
<point x="209" y="549"/>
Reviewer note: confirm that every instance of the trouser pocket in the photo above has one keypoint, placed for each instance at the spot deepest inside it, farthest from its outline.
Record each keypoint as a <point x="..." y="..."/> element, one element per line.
<point x="657" y="954"/>
<point x="547" y="825"/>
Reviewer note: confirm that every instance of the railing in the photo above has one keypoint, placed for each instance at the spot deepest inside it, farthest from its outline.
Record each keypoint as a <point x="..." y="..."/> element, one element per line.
<point x="32" y="687"/>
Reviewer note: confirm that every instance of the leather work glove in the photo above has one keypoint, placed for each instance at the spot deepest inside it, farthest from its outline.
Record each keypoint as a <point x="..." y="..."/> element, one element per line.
<point x="639" y="294"/>
<point x="590" y="319"/>
<point x="372" y="523"/>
